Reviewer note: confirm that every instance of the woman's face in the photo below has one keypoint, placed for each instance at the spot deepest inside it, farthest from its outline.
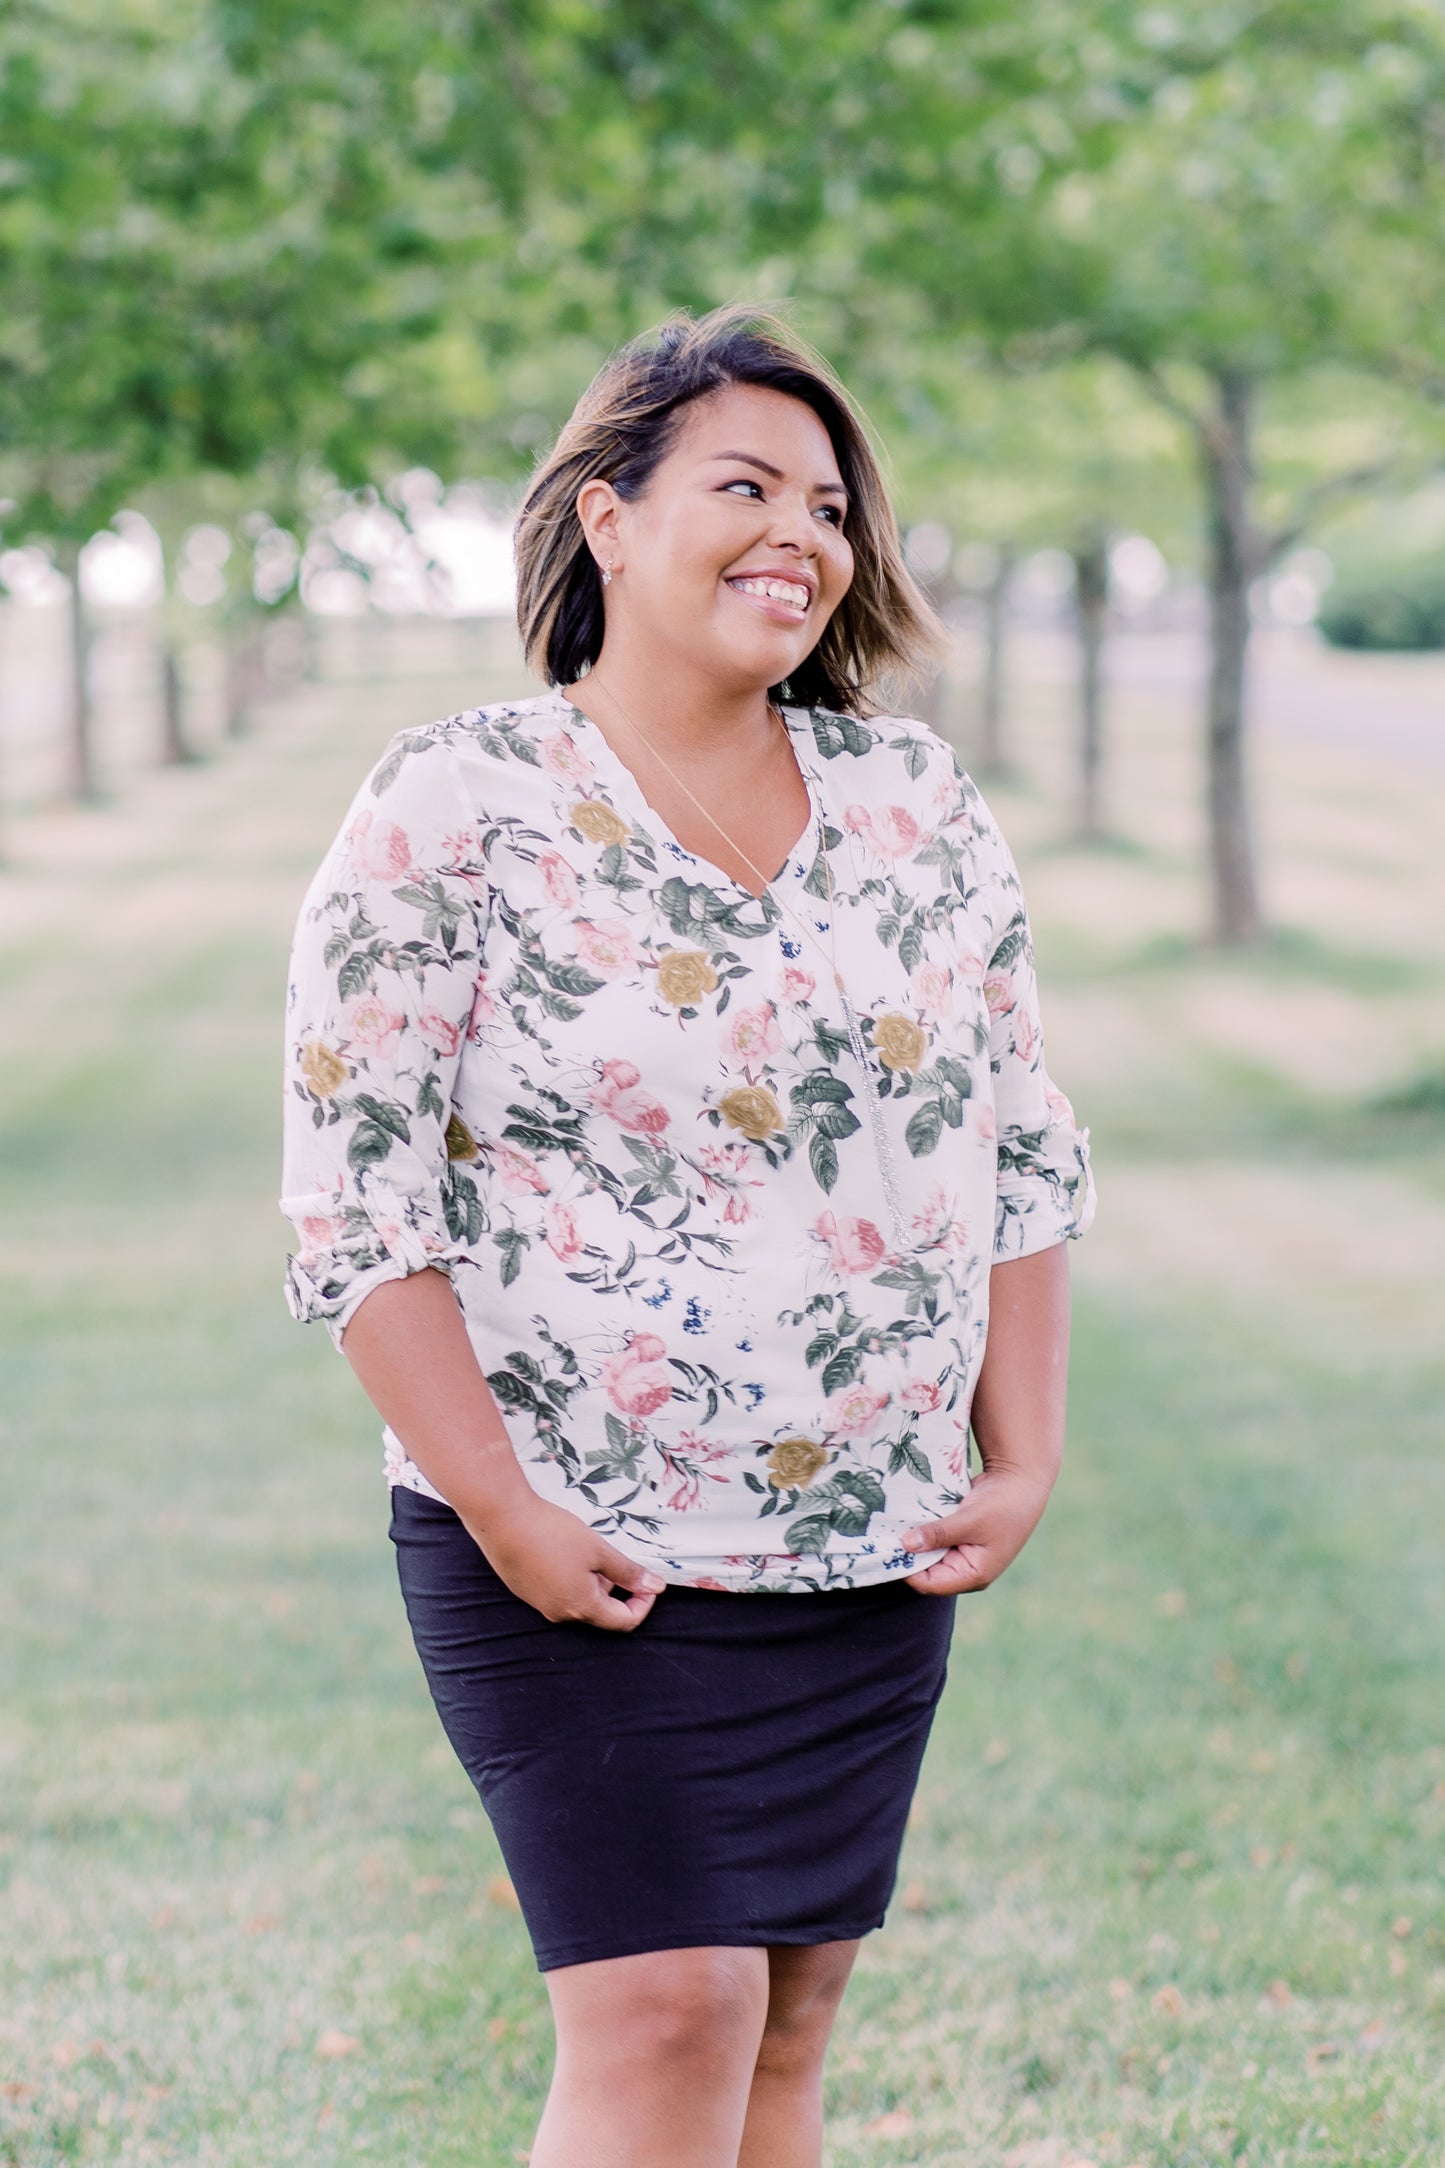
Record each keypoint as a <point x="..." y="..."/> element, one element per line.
<point x="737" y="555"/>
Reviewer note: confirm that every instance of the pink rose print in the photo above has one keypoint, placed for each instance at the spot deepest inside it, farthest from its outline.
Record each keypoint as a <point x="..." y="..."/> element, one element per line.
<point x="938" y="1226"/>
<point x="563" y="757"/>
<point x="607" y="947"/>
<point x="930" y="987"/>
<point x="484" y="1009"/>
<point x="381" y="849"/>
<point x="998" y="992"/>
<point x="559" y="880"/>
<point x="688" y="1467"/>
<point x="753" y="1033"/>
<point x="1026" y="1036"/>
<point x="443" y="1034"/>
<point x="317" y="1235"/>
<point x="970" y="967"/>
<point x="1060" y="1108"/>
<point x="616" y="1095"/>
<point x="855" y="1409"/>
<point x="798" y="984"/>
<point x="370" y="1023"/>
<point x="890" y="831"/>
<point x="725" y="1172"/>
<point x="956" y="1455"/>
<point x="921" y="1396"/>
<point x="854" y="1245"/>
<point x="519" y="1171"/>
<point x="635" y="1381"/>
<point x="984" y="1120"/>
<point x="564" y="1239"/>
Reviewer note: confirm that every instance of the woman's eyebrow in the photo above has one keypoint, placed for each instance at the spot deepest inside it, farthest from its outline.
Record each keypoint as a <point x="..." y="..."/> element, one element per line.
<point x="750" y="459"/>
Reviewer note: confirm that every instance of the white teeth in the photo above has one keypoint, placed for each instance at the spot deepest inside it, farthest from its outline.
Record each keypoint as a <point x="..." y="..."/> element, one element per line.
<point x="774" y="590"/>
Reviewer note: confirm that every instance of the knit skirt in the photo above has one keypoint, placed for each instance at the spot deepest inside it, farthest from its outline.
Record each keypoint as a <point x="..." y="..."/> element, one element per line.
<point x="736" y="1770"/>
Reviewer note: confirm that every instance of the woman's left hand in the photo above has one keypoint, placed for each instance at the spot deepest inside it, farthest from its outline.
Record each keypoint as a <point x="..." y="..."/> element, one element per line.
<point x="982" y="1536"/>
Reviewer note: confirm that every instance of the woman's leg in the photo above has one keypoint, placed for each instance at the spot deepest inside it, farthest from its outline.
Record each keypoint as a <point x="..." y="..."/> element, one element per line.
<point x="784" y="2127"/>
<point x="655" y="2057"/>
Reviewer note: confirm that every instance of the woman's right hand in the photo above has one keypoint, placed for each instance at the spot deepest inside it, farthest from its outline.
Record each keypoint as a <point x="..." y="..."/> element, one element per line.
<point x="563" y="1568"/>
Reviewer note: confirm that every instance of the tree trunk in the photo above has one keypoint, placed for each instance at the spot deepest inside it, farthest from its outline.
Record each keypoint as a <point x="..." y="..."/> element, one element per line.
<point x="244" y="680"/>
<point x="80" y="782"/>
<point x="991" y="756"/>
<point x="1091" y="601"/>
<point x="1234" y="560"/>
<point x="175" y="748"/>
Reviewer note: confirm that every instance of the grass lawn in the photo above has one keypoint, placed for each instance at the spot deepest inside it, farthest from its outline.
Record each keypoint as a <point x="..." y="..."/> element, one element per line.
<point x="1173" y="1890"/>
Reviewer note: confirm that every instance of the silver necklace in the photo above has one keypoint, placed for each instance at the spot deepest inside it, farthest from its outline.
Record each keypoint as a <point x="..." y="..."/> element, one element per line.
<point x="882" y="1143"/>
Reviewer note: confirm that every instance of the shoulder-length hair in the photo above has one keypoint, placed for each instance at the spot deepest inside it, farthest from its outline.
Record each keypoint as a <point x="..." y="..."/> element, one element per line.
<point x="622" y="428"/>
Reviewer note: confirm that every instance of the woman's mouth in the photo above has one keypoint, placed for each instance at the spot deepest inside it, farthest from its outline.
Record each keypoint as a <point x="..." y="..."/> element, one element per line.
<point x="785" y="601"/>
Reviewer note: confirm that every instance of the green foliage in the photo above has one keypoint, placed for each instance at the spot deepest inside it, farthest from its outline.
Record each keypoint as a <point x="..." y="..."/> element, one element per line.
<point x="1401" y="608"/>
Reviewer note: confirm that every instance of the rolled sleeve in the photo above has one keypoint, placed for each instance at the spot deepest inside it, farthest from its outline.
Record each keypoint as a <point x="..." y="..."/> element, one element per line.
<point x="1045" y="1185"/>
<point x="384" y="975"/>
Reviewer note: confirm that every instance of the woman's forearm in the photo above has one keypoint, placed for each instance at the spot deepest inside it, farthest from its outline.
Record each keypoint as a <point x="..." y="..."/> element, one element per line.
<point x="408" y="1346"/>
<point x="1019" y="1400"/>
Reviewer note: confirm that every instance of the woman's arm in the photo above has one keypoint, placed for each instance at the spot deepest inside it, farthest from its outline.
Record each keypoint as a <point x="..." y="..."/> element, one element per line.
<point x="1018" y="1421"/>
<point x="408" y="1345"/>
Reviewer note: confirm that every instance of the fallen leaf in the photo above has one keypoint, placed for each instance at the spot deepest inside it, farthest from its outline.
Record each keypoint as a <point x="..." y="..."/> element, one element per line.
<point x="1399" y="1964"/>
<point x="1402" y="1928"/>
<point x="501" y="1892"/>
<point x="166" y="1917"/>
<point x="428" y="1885"/>
<point x="1173" y="1603"/>
<point x="996" y="1751"/>
<point x="1261" y="1856"/>
<point x="411" y="1944"/>
<point x="1121" y="1990"/>
<point x="13" y="2089"/>
<point x="497" y="2028"/>
<point x="308" y="1783"/>
<point x="261" y="1924"/>
<point x="64" y="2053"/>
<point x="915" y="1897"/>
<point x="1167" y="2000"/>
<point x="331" y="2045"/>
<point x="895" y="2124"/>
<point x="1262" y="1760"/>
<point x="1324" y="2051"/>
<point x="328" y="2109"/>
<point x="1280" y="1993"/>
<point x="1375" y="2034"/>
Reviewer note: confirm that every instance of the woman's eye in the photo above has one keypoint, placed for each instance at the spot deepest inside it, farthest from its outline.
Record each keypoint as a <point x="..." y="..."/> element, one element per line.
<point x="744" y="481"/>
<point x="833" y="512"/>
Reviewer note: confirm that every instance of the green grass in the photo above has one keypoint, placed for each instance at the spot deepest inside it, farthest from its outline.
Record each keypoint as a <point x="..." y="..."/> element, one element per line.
<point x="1173" y="1895"/>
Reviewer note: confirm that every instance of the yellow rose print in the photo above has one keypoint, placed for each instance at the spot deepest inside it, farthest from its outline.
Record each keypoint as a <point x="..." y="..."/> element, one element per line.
<point x="900" y="1043"/>
<point x="461" y="1144"/>
<point x="597" y="822"/>
<point x="684" y="976"/>
<point x="793" y="1463"/>
<point x="324" y="1072"/>
<point x="752" y="1109"/>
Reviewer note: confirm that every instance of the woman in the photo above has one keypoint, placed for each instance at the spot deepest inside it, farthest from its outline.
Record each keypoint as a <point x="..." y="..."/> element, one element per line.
<point x="668" y="1127"/>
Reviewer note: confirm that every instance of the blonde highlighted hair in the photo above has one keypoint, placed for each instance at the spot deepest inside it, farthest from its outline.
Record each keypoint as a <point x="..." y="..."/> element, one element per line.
<point x="620" y="431"/>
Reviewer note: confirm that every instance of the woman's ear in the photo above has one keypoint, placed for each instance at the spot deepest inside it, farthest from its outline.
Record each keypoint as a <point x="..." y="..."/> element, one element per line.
<point x="597" y="505"/>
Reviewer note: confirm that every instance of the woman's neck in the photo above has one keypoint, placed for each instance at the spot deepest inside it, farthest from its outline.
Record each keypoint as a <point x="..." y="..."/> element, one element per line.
<point x="686" y="715"/>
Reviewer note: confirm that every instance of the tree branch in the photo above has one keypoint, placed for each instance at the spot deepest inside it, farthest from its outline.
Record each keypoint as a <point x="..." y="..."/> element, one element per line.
<point x="1311" y="502"/>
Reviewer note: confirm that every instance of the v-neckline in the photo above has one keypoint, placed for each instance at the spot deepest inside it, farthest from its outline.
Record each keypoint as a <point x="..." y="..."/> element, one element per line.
<point x="630" y="785"/>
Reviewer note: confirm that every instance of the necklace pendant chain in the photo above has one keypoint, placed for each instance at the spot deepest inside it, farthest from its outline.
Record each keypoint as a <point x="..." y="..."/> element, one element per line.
<point x="882" y="1144"/>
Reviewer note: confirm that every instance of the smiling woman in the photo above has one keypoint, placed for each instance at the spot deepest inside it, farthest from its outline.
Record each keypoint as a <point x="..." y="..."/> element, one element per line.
<point x="672" y="1153"/>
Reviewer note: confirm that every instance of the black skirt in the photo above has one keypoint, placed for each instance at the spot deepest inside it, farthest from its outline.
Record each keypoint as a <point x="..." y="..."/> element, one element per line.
<point x="736" y="1770"/>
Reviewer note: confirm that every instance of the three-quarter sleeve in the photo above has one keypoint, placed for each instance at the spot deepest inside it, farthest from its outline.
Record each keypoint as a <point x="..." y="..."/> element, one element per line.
<point x="384" y="973"/>
<point x="1045" y="1187"/>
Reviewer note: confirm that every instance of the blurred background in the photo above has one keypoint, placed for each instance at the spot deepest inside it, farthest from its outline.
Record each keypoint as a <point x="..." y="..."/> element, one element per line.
<point x="1147" y="307"/>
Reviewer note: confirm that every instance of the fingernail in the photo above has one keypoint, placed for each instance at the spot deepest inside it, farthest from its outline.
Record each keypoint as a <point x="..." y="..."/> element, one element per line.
<point x="913" y="1541"/>
<point x="651" y="1585"/>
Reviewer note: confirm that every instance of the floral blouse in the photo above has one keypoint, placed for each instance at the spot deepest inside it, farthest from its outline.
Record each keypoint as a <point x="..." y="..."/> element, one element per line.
<point x="537" y="1044"/>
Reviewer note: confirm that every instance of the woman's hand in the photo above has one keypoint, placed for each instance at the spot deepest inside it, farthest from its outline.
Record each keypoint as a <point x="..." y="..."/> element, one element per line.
<point x="562" y="1568"/>
<point x="982" y="1536"/>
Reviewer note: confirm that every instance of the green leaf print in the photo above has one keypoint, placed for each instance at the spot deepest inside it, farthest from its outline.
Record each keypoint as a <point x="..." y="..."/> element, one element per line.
<point x="356" y="975"/>
<point x="925" y="1127"/>
<point x="570" y="978"/>
<point x="905" y="1454"/>
<point x="910" y="946"/>
<point x="841" y="1369"/>
<point x="824" y="1160"/>
<point x="384" y="1115"/>
<point x="511" y="1242"/>
<point x="810" y="1535"/>
<point x="915" y="755"/>
<point x="462" y="1207"/>
<point x="369" y="1145"/>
